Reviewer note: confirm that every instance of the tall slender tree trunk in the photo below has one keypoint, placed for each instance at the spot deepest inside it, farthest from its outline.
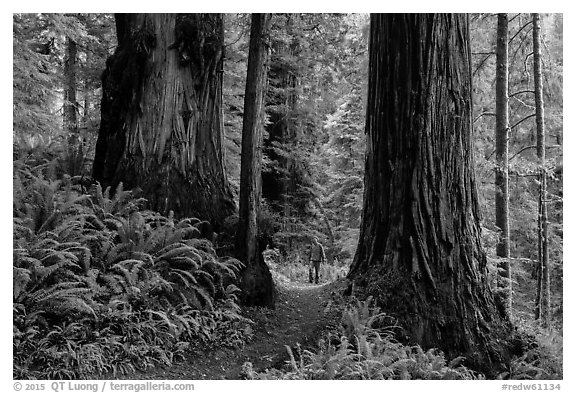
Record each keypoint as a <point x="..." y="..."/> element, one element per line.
<point x="419" y="253"/>
<point x="75" y="155"/>
<point x="543" y="298"/>
<point x="501" y="178"/>
<point x="162" y="125"/>
<point x="70" y="76"/>
<point x="87" y="93"/>
<point x="256" y="282"/>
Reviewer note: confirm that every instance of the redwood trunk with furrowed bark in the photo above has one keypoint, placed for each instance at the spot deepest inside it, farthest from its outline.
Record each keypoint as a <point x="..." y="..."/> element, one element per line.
<point x="162" y="127"/>
<point x="419" y="253"/>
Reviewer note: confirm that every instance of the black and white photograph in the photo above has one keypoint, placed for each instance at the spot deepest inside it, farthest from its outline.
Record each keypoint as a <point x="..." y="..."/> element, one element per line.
<point x="287" y="196"/>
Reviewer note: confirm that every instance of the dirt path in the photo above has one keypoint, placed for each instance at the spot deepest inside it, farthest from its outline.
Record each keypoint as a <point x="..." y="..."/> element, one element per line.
<point x="303" y="313"/>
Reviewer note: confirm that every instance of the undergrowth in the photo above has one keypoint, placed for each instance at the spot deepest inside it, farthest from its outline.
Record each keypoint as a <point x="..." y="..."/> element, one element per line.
<point x="543" y="359"/>
<point x="363" y="347"/>
<point x="102" y="286"/>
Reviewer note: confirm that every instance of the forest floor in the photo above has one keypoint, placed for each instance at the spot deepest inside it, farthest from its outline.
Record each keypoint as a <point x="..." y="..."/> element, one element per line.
<point x="303" y="314"/>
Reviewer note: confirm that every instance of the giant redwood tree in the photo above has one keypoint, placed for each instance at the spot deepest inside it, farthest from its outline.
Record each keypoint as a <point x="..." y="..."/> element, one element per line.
<point x="419" y="252"/>
<point x="161" y="127"/>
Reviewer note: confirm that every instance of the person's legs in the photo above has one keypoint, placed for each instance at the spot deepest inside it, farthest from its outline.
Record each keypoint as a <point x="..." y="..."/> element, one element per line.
<point x="317" y="269"/>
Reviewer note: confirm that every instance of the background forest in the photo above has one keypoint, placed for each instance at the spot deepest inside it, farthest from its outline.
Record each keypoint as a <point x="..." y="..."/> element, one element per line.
<point x="103" y="286"/>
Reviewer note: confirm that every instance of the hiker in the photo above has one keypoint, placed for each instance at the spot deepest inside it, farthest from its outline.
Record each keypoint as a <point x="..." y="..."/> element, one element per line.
<point x="317" y="256"/>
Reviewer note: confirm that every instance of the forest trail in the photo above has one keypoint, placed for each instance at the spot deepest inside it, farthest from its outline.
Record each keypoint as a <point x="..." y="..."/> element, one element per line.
<point x="303" y="313"/>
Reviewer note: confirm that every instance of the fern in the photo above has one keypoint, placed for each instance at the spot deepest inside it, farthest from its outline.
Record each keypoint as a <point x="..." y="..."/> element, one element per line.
<point x="362" y="352"/>
<point x="103" y="286"/>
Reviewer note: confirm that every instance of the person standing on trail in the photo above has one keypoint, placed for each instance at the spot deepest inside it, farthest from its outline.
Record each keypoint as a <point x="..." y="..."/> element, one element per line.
<point x="317" y="256"/>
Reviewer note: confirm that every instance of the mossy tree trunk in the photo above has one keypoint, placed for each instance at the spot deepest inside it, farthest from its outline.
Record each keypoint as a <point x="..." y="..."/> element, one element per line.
<point x="501" y="170"/>
<point x="256" y="280"/>
<point x="420" y="252"/>
<point x="162" y="124"/>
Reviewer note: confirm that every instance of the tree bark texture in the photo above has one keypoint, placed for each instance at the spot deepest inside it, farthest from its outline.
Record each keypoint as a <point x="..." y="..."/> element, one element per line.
<point x="75" y="155"/>
<point x="256" y="281"/>
<point x="70" y="102"/>
<point x="419" y="252"/>
<point x="543" y="296"/>
<point x="162" y="125"/>
<point x="501" y="175"/>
